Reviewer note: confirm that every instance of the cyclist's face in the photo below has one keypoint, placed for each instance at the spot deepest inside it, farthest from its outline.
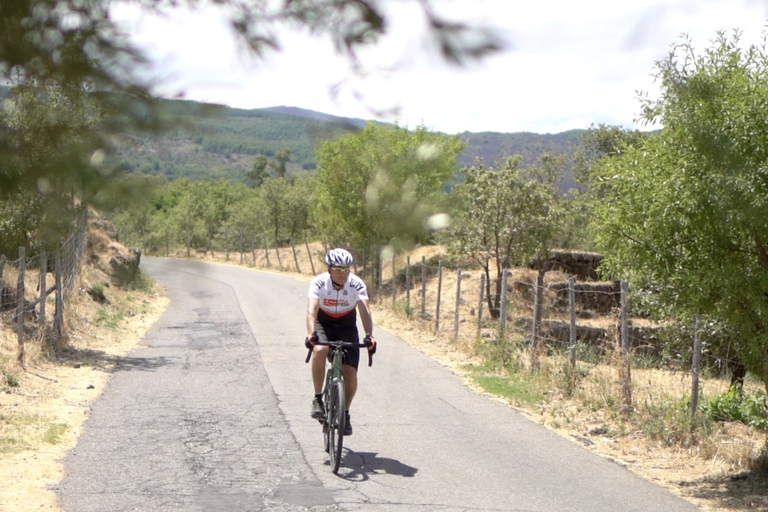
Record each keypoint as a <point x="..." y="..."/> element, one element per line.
<point x="339" y="274"/>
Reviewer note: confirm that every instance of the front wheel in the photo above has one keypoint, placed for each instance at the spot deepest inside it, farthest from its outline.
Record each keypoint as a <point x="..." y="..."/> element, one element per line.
<point x="327" y="432"/>
<point x="336" y="419"/>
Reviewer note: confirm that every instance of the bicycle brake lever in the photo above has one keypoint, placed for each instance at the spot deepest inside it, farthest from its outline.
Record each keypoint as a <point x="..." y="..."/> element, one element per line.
<point x="309" y="355"/>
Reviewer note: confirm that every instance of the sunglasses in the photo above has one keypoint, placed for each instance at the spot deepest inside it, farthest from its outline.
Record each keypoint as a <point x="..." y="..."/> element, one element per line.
<point x="340" y="269"/>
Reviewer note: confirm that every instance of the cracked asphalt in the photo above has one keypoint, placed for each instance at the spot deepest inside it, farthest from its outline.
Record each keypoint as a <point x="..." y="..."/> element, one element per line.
<point x="212" y="414"/>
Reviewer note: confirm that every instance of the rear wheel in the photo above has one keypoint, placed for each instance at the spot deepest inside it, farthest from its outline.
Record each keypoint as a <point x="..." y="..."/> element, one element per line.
<point x="336" y="419"/>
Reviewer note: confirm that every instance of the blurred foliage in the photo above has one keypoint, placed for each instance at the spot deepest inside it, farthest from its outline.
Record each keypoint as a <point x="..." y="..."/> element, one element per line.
<point x="68" y="60"/>
<point x="377" y="186"/>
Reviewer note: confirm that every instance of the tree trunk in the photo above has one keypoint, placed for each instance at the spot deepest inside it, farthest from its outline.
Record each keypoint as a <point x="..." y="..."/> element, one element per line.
<point x="494" y="300"/>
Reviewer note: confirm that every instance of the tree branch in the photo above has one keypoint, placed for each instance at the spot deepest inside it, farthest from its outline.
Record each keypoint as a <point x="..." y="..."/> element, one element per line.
<point x="761" y="252"/>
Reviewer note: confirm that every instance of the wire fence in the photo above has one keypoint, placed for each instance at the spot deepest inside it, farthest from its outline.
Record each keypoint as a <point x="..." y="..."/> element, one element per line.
<point x="538" y="308"/>
<point x="24" y="287"/>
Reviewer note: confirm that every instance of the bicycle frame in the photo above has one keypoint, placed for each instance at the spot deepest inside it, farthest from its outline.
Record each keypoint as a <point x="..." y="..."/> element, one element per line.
<point x="334" y="400"/>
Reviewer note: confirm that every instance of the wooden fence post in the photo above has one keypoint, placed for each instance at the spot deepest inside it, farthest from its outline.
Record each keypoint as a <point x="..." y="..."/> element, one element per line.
<point x="625" y="371"/>
<point x="43" y="285"/>
<point x="572" y="309"/>
<point x="266" y="250"/>
<point x="277" y="251"/>
<point x="394" y="279"/>
<point x="458" y="303"/>
<point x="423" y="286"/>
<point x="503" y="306"/>
<point x="58" y="314"/>
<point x="480" y="304"/>
<point x="309" y="254"/>
<point x="295" y="258"/>
<point x="439" y="292"/>
<point x="408" y="286"/>
<point x="538" y="306"/>
<point x="20" y="303"/>
<point x="537" y="310"/>
<point x="695" y="364"/>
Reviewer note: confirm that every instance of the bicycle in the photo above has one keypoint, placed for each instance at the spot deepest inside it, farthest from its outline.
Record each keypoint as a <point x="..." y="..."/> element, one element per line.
<point x="334" y="399"/>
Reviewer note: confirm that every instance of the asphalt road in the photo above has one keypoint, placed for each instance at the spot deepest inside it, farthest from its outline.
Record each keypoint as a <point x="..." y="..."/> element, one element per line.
<point x="213" y="415"/>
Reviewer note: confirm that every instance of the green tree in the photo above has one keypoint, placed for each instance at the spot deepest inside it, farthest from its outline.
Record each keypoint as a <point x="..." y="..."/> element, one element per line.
<point x="686" y="211"/>
<point x="258" y="173"/>
<point x="298" y="197"/>
<point x="600" y="142"/>
<point x="278" y="163"/>
<point x="275" y="194"/>
<point x="377" y="186"/>
<point x="503" y="218"/>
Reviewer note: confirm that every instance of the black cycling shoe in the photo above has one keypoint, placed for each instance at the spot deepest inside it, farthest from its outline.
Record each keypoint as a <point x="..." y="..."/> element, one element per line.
<point x="318" y="411"/>
<point x="347" y="425"/>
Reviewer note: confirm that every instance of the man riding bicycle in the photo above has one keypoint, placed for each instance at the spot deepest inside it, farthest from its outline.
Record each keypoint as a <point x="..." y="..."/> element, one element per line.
<point x="332" y="299"/>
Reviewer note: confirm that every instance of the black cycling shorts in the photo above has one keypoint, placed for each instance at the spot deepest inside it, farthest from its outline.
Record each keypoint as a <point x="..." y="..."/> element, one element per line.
<point x="346" y="331"/>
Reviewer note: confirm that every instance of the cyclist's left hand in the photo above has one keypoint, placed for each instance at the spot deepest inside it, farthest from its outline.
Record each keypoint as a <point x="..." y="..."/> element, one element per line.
<point x="370" y="339"/>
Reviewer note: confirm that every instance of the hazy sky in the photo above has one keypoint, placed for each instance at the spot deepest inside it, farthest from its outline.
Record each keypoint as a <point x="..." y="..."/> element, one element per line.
<point x="568" y="63"/>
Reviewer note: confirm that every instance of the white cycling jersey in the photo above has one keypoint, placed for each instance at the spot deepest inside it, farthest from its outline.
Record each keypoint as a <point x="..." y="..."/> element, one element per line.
<point x="337" y="303"/>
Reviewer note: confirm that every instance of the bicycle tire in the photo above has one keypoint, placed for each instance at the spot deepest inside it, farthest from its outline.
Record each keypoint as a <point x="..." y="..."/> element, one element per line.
<point x="336" y="424"/>
<point x="327" y="400"/>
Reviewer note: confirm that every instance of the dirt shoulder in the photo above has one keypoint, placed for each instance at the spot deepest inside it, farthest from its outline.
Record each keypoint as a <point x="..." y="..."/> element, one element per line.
<point x="44" y="412"/>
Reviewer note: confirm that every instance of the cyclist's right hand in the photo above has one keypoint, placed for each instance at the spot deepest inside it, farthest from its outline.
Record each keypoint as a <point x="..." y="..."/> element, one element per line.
<point x="310" y="340"/>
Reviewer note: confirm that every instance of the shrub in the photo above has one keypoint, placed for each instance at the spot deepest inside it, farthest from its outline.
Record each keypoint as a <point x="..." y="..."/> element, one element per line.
<point x="736" y="405"/>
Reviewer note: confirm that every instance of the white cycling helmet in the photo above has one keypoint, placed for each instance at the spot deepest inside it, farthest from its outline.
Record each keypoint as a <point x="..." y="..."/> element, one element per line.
<point x="339" y="258"/>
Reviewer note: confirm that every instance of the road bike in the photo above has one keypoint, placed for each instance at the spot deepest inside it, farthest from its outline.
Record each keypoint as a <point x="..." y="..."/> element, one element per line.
<point x="334" y="399"/>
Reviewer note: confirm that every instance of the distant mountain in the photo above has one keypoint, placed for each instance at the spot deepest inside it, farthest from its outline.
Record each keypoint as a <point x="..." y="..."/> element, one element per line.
<point x="205" y="141"/>
<point x="317" y="116"/>
<point x="494" y="147"/>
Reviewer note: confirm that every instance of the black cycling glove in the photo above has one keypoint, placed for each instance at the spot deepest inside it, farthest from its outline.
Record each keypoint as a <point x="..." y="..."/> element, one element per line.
<point x="367" y="340"/>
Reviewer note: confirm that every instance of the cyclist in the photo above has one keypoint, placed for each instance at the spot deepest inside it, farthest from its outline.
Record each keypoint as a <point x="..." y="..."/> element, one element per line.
<point x="332" y="300"/>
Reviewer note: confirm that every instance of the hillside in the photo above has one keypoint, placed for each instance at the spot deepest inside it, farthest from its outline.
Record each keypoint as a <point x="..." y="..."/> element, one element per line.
<point x="205" y="141"/>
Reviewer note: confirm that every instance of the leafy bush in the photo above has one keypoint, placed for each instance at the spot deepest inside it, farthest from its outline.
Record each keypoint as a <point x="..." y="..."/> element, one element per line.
<point x="736" y="405"/>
